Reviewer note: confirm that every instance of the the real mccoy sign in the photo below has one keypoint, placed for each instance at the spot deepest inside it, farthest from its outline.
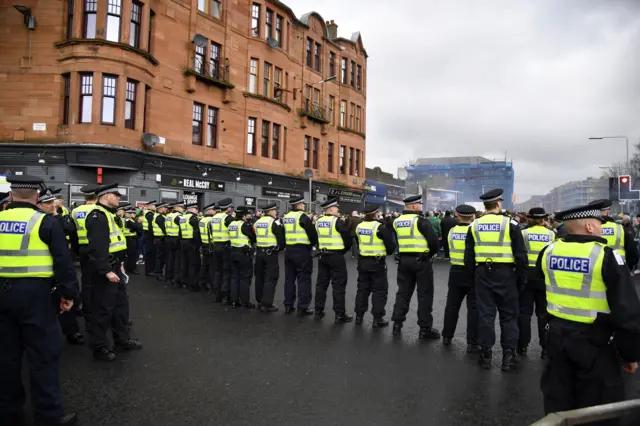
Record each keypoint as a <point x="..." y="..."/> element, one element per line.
<point x="346" y="196"/>
<point x="191" y="183"/>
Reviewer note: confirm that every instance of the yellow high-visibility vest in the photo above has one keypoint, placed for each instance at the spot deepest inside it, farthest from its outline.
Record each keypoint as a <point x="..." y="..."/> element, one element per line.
<point x="535" y="239"/>
<point x="157" y="231"/>
<point x="145" y="222"/>
<point x="79" y="215"/>
<point x="293" y="232"/>
<point x="170" y="226"/>
<point x="117" y="241"/>
<point x="368" y="241"/>
<point x="237" y="238"/>
<point x="22" y="253"/>
<point x="457" y="240"/>
<point x="185" y="226"/>
<point x="264" y="232"/>
<point x="328" y="236"/>
<point x="614" y="234"/>
<point x="492" y="239"/>
<point x="219" y="231"/>
<point x="205" y="229"/>
<point x="410" y="239"/>
<point x="128" y="233"/>
<point x="573" y="279"/>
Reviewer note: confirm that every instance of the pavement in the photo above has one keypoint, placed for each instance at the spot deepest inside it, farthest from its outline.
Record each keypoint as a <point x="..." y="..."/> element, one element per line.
<point x="205" y="364"/>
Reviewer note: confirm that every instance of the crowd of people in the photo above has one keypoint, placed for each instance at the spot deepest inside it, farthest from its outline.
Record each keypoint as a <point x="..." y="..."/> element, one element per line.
<point x="569" y="269"/>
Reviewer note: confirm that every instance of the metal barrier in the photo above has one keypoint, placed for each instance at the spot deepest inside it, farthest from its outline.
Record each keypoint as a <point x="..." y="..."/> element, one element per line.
<point x="589" y="414"/>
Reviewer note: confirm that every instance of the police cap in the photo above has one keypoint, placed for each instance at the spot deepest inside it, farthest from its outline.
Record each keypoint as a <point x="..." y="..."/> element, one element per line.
<point x="537" y="213"/>
<point x="48" y="195"/>
<point x="132" y="211"/>
<point x="108" y="189"/>
<point x="225" y="203"/>
<point x="465" y="210"/>
<point x="5" y="197"/>
<point x="606" y="204"/>
<point x="414" y="199"/>
<point x="493" y="195"/>
<point x="190" y="206"/>
<point x="371" y="208"/>
<point x="270" y="207"/>
<point x="588" y="211"/>
<point x="242" y="210"/>
<point x="209" y="207"/>
<point x="151" y="203"/>
<point x="296" y="200"/>
<point x="331" y="202"/>
<point x="89" y="189"/>
<point x="178" y="204"/>
<point x="25" y="182"/>
<point x="163" y="206"/>
<point x="124" y="206"/>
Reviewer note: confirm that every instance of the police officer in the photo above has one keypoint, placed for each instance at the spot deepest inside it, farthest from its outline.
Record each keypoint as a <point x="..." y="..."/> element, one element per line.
<point x="590" y="299"/>
<point x="270" y="241"/>
<point x="34" y="254"/>
<point x="79" y="216"/>
<point x="496" y="257"/>
<point x="131" y="230"/>
<point x="190" y="247"/>
<point x="460" y="284"/>
<point x="109" y="304"/>
<point x="149" y="214"/>
<point x="536" y="236"/>
<point x="5" y="197"/>
<point x="376" y="242"/>
<point x="159" y="234"/>
<point x="417" y="244"/>
<point x="243" y="239"/>
<point x="334" y="240"/>
<point x="221" y="260"/>
<point x="617" y="237"/>
<point x="173" y="271"/>
<point x="300" y="236"/>
<point x="204" y="225"/>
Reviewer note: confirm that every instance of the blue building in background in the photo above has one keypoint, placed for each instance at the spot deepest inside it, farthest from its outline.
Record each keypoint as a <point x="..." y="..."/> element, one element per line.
<point x="384" y="189"/>
<point x="469" y="176"/>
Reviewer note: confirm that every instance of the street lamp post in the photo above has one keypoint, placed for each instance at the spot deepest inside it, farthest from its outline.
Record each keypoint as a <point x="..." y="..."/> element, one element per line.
<point x="614" y="137"/>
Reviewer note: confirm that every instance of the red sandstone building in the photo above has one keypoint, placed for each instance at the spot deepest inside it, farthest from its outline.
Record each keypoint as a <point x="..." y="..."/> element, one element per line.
<point x="173" y="98"/>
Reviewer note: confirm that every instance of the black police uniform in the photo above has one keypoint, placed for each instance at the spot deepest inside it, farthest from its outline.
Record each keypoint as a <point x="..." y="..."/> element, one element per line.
<point x="242" y="266"/>
<point x="205" y="278"/>
<point x="130" y="265"/>
<point x="583" y="367"/>
<point x="221" y="260"/>
<point x="415" y="272"/>
<point x="298" y="266"/>
<point x="372" y="275"/>
<point x="173" y="270"/>
<point x="497" y="290"/>
<point x="29" y="324"/>
<point x="190" y="250"/>
<point x="332" y="269"/>
<point x="160" y="245"/>
<point x="5" y="197"/>
<point x="150" y="248"/>
<point x="267" y="266"/>
<point x="461" y="287"/>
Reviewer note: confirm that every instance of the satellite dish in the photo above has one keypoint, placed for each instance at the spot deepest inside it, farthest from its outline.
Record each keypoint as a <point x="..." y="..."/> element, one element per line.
<point x="199" y="40"/>
<point x="272" y="42"/>
<point x="150" y="140"/>
<point x="308" y="173"/>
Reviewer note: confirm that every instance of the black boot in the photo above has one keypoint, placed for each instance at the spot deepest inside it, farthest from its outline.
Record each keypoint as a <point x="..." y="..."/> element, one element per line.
<point x="130" y="344"/>
<point x="485" y="359"/>
<point x="522" y="351"/>
<point x="75" y="339"/>
<point x="446" y="341"/>
<point x="429" y="333"/>
<point x="359" y="319"/>
<point x="248" y="305"/>
<point x="380" y="323"/>
<point x="268" y="309"/>
<point x="472" y="348"/>
<point x="397" y="328"/>
<point x="305" y="312"/>
<point x="319" y="314"/>
<point x="509" y="360"/>
<point x="68" y="419"/>
<point x="288" y="309"/>
<point x="104" y="354"/>
<point x="343" y="318"/>
<point x="225" y="301"/>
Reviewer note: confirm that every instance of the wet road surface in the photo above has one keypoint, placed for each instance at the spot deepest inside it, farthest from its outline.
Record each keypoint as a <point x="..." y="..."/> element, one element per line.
<point x="205" y="364"/>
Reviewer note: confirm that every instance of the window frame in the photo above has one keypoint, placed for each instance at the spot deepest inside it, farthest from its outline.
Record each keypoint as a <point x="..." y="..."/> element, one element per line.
<point x="307" y="152"/>
<point x="343" y="113"/>
<point x="359" y="78"/>
<point x="343" y="164"/>
<point x="255" y="19"/>
<point x="351" y="163"/>
<point x="277" y="82"/>
<point x="203" y="4"/>
<point x="264" y="138"/>
<point x="358" y="154"/>
<point x="152" y="19"/>
<point x="351" y="115"/>
<point x="317" y="57"/>
<point x="253" y="75"/>
<point x="118" y="7"/>
<point x="315" y="151"/>
<point x="130" y="103"/>
<point x="219" y="8"/>
<point x="105" y="96"/>
<point x="215" y="51"/>
<point x="212" y="126"/>
<point x="199" y="58"/>
<point x="66" y="98"/>
<point x="266" y="79"/>
<point x="70" y="13"/>
<point x="268" y="23"/>
<point x="309" y="52"/>
<point x="196" y="119"/>
<point x="332" y="101"/>
<point x="343" y="70"/>
<point x="358" y="115"/>
<point x="251" y="135"/>
<point x="353" y="74"/>
<point x="135" y="25"/>
<point x="278" y="33"/>
<point x="330" y="155"/>
<point x="332" y="64"/>
<point x="275" y="141"/>
<point x="90" y="9"/>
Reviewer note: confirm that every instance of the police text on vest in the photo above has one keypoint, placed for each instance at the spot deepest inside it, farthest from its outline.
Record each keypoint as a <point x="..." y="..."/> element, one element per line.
<point x="489" y="227"/>
<point x="569" y="264"/>
<point x="12" y="227"/>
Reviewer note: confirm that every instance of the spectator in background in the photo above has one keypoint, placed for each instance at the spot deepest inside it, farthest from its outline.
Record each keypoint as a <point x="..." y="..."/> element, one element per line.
<point x="631" y="249"/>
<point x="446" y="225"/>
<point x="435" y="225"/>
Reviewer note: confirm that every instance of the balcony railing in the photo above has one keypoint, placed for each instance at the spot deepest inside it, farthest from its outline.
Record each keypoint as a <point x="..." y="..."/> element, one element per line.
<point x="211" y="72"/>
<point x="315" y="111"/>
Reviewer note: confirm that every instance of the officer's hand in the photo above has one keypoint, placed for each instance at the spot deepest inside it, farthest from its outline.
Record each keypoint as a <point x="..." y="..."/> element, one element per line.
<point x="113" y="277"/>
<point x="630" y="367"/>
<point x="65" y="305"/>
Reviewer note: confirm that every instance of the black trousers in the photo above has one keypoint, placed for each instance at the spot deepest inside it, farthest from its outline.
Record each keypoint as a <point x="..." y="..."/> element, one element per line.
<point x="206" y="270"/>
<point x="298" y="267"/>
<point x="221" y="268"/>
<point x="267" y="267"/>
<point x="415" y="272"/>
<point x="332" y="269"/>
<point x="150" y="253"/>
<point x="174" y="259"/>
<point x="132" y="255"/>
<point x="581" y="370"/>
<point x="29" y="325"/>
<point x="86" y="283"/>
<point x="69" y="320"/>
<point x="190" y="263"/>
<point x="460" y="288"/>
<point x="372" y="280"/>
<point x="445" y="245"/>
<point x="532" y="295"/>
<point x="241" y="273"/>
<point x="497" y="292"/>
<point x="161" y="254"/>
<point x="110" y="303"/>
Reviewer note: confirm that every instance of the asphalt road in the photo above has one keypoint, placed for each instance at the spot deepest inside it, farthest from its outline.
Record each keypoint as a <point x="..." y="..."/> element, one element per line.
<point x="205" y="364"/>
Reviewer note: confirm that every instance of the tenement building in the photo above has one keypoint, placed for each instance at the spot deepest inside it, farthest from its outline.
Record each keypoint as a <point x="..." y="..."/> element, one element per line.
<point x="201" y="99"/>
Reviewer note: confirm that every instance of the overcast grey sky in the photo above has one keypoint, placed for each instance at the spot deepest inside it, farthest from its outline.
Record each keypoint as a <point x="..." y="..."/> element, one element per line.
<point x="534" y="78"/>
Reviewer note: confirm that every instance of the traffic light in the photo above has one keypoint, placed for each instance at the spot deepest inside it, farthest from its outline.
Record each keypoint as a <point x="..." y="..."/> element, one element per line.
<point x="624" y="189"/>
<point x="614" y="193"/>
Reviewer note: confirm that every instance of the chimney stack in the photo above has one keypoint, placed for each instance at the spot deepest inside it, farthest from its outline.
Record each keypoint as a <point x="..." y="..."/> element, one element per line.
<point x="332" y="27"/>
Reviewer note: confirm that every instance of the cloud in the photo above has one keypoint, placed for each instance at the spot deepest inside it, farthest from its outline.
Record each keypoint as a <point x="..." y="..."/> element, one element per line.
<point x="532" y="78"/>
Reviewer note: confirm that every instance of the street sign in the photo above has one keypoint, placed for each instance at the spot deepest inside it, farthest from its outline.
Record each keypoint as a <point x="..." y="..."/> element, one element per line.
<point x="625" y="193"/>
